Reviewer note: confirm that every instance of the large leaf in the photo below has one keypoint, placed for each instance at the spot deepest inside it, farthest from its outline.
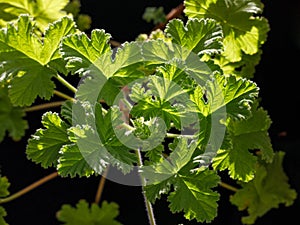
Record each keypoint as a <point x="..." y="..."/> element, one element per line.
<point x="95" y="143"/>
<point x="200" y="36"/>
<point x="45" y="144"/>
<point x="245" y="135"/>
<point x="267" y="190"/>
<point x="244" y="30"/>
<point x="26" y="59"/>
<point x="192" y="193"/>
<point x="44" y="11"/>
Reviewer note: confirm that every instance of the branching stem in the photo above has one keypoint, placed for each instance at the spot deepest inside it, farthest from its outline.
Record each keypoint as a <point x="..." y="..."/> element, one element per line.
<point x="29" y="188"/>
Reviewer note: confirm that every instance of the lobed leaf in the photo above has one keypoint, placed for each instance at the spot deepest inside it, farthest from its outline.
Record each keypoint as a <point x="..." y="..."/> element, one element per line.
<point x="87" y="214"/>
<point x="11" y="118"/>
<point x="245" y="135"/>
<point x="25" y="59"/>
<point x="45" y="144"/>
<point x="44" y="11"/>
<point x="202" y="36"/>
<point x="244" y="29"/>
<point x="267" y="190"/>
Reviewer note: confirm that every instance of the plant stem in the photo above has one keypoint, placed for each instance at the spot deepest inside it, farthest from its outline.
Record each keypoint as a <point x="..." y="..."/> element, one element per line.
<point x="147" y="202"/>
<point x="101" y="186"/>
<point x="44" y="106"/>
<point x="228" y="186"/>
<point x="66" y="83"/>
<point x="63" y="95"/>
<point x="29" y="188"/>
<point x="171" y="135"/>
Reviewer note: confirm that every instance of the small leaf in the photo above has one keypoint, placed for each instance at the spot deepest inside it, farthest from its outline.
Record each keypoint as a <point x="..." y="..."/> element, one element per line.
<point x="87" y="214"/>
<point x="4" y="185"/>
<point x="2" y="215"/>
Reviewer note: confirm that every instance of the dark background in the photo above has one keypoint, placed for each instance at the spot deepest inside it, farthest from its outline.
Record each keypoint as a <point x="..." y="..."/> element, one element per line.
<point x="276" y="75"/>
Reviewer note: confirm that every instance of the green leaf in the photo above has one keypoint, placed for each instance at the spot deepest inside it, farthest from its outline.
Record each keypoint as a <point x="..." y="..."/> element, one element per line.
<point x="169" y="167"/>
<point x="245" y="135"/>
<point x="193" y="196"/>
<point x="244" y="30"/>
<point x="192" y="193"/>
<point x="269" y="189"/>
<point x="96" y="144"/>
<point x="44" y="146"/>
<point x="235" y="94"/>
<point x="71" y="162"/>
<point x="11" y="118"/>
<point x="244" y="68"/>
<point x="164" y="97"/>
<point x="154" y="14"/>
<point x="200" y="36"/>
<point x="82" y="52"/>
<point x="2" y="215"/>
<point x="44" y="11"/>
<point x="87" y="214"/>
<point x="4" y="185"/>
<point x="26" y="59"/>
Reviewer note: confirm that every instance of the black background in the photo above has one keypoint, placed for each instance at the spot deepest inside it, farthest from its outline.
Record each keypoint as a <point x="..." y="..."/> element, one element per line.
<point x="276" y="75"/>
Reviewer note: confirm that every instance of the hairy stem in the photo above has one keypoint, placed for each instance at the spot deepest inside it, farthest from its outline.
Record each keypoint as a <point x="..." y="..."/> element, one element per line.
<point x="228" y="186"/>
<point x="44" y="106"/>
<point x="29" y="188"/>
<point x="63" y="95"/>
<point x="101" y="186"/>
<point x="66" y="83"/>
<point x="147" y="202"/>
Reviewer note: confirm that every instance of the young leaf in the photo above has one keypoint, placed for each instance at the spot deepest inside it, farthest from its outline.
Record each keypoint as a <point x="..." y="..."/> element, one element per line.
<point x="44" y="146"/>
<point x="245" y="135"/>
<point x="244" y="30"/>
<point x="26" y="59"/>
<point x="87" y="214"/>
<point x="267" y="190"/>
<point x="169" y="167"/>
<point x="11" y="118"/>
<point x="44" y="11"/>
